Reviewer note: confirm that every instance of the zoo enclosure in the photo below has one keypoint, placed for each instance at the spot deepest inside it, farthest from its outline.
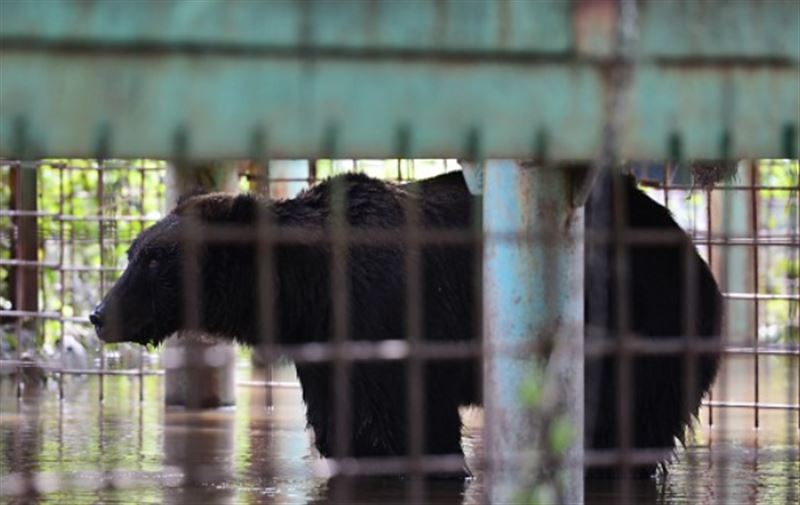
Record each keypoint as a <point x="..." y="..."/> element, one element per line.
<point x="765" y="309"/>
<point x="474" y="73"/>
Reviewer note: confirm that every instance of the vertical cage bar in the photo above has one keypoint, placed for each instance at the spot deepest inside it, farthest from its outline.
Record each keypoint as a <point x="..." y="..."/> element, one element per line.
<point x="269" y="300"/>
<point x="415" y="370"/>
<point x="62" y="279"/>
<point x="710" y="253"/>
<point x="16" y="173"/>
<point x="193" y="380"/>
<point x="26" y="285"/>
<point x="624" y="356"/>
<point x="100" y="238"/>
<point x="142" y="184"/>
<point x="531" y="202"/>
<point x="691" y="335"/>
<point x="794" y="259"/>
<point x="312" y="172"/>
<point x="340" y="290"/>
<point x="265" y="264"/>
<point x="727" y="269"/>
<point x="754" y="179"/>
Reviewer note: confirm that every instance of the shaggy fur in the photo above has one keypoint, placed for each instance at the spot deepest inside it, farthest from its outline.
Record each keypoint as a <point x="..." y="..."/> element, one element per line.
<point x="148" y="303"/>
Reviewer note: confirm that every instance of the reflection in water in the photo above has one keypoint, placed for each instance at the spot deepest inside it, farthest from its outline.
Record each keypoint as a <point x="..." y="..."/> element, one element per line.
<point x="121" y="451"/>
<point x="368" y="490"/>
<point x="201" y="446"/>
<point x="22" y="444"/>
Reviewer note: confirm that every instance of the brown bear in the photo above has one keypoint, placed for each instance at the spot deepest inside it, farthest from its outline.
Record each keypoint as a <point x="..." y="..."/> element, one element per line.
<point x="148" y="303"/>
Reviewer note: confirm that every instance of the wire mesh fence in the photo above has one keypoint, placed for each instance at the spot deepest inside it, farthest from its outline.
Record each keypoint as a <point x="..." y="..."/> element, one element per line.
<point x="65" y="246"/>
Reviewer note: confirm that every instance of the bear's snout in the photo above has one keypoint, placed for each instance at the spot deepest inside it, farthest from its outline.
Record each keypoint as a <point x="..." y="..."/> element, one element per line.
<point x="96" y="317"/>
<point x="99" y="318"/>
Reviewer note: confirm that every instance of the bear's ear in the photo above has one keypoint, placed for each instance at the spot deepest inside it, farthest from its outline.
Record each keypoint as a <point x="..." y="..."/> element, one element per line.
<point x="207" y="207"/>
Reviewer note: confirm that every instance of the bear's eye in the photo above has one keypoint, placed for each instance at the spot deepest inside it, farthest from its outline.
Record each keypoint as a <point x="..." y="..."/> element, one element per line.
<point x="152" y="264"/>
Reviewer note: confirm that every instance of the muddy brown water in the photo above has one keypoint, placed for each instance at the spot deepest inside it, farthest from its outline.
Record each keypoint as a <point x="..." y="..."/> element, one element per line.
<point x="123" y="451"/>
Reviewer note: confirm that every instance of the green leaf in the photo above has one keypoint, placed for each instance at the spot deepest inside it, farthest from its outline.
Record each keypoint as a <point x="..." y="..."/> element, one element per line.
<point x="561" y="435"/>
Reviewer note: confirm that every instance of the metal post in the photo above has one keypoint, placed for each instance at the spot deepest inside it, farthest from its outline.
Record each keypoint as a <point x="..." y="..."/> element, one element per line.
<point x="277" y="179"/>
<point x="26" y="279"/>
<point x="191" y="379"/>
<point x="533" y="281"/>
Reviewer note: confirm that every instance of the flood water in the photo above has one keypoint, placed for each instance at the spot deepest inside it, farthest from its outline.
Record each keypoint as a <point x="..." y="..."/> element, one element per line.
<point x="123" y="451"/>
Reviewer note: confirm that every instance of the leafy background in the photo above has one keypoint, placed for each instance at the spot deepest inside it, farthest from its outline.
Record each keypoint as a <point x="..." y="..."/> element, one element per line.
<point x="72" y="193"/>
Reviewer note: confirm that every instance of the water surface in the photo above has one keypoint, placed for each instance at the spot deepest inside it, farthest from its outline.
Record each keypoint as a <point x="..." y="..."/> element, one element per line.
<point x="123" y="451"/>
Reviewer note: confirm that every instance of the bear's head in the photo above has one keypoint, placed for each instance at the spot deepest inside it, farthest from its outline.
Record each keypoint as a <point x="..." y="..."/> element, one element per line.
<point x="152" y="299"/>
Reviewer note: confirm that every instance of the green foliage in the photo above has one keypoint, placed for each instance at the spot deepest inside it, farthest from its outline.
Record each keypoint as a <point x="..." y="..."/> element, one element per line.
<point x="539" y="395"/>
<point x="532" y="388"/>
<point x="542" y="494"/>
<point x="561" y="435"/>
<point x="779" y="174"/>
<point x="92" y="211"/>
<point x="5" y="235"/>
<point x="778" y="211"/>
<point x="84" y="226"/>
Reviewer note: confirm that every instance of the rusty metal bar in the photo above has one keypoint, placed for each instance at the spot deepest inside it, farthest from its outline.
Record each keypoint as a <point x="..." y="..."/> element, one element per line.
<point x="267" y="280"/>
<point x="754" y="405"/>
<point x="624" y="358"/>
<point x="793" y="376"/>
<point x="415" y="368"/>
<point x="24" y="200"/>
<point x="397" y="350"/>
<point x="794" y="256"/>
<point x="141" y="349"/>
<point x="710" y="256"/>
<point x="754" y="178"/>
<point x="691" y="333"/>
<point x="62" y="278"/>
<point x="726" y="268"/>
<point x="691" y="187"/>
<point x="340" y="289"/>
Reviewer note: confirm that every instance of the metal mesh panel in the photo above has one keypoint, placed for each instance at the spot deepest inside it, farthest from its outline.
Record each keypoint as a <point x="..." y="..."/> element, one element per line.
<point x="82" y="235"/>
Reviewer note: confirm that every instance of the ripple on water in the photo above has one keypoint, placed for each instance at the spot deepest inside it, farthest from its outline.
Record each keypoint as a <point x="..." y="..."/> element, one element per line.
<point x="121" y="451"/>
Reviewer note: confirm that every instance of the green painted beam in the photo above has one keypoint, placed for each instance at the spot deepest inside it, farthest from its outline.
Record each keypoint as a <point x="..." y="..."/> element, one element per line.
<point x="542" y="25"/>
<point x="766" y="28"/>
<point x="427" y="78"/>
<point x="736" y="112"/>
<point x="721" y="28"/>
<point x="341" y="108"/>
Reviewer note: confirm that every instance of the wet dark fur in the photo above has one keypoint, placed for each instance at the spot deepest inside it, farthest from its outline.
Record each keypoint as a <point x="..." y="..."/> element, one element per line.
<point x="147" y="305"/>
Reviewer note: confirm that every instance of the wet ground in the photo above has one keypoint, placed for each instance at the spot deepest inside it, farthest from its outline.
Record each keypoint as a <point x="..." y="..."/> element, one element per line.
<point x="122" y="451"/>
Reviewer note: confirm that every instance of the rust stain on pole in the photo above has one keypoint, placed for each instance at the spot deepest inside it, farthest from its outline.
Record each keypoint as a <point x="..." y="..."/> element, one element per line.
<point x="533" y="285"/>
<point x="25" y="279"/>
<point x="594" y="25"/>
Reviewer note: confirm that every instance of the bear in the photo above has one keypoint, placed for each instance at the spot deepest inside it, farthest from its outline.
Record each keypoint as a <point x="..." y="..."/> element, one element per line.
<point x="149" y="302"/>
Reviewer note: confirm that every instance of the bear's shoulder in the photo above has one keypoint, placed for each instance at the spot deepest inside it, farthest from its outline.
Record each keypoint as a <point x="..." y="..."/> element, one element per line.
<point x="358" y="189"/>
<point x="355" y="183"/>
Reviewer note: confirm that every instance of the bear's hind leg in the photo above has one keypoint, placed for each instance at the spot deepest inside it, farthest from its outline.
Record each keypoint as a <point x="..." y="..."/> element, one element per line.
<point x="379" y="415"/>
